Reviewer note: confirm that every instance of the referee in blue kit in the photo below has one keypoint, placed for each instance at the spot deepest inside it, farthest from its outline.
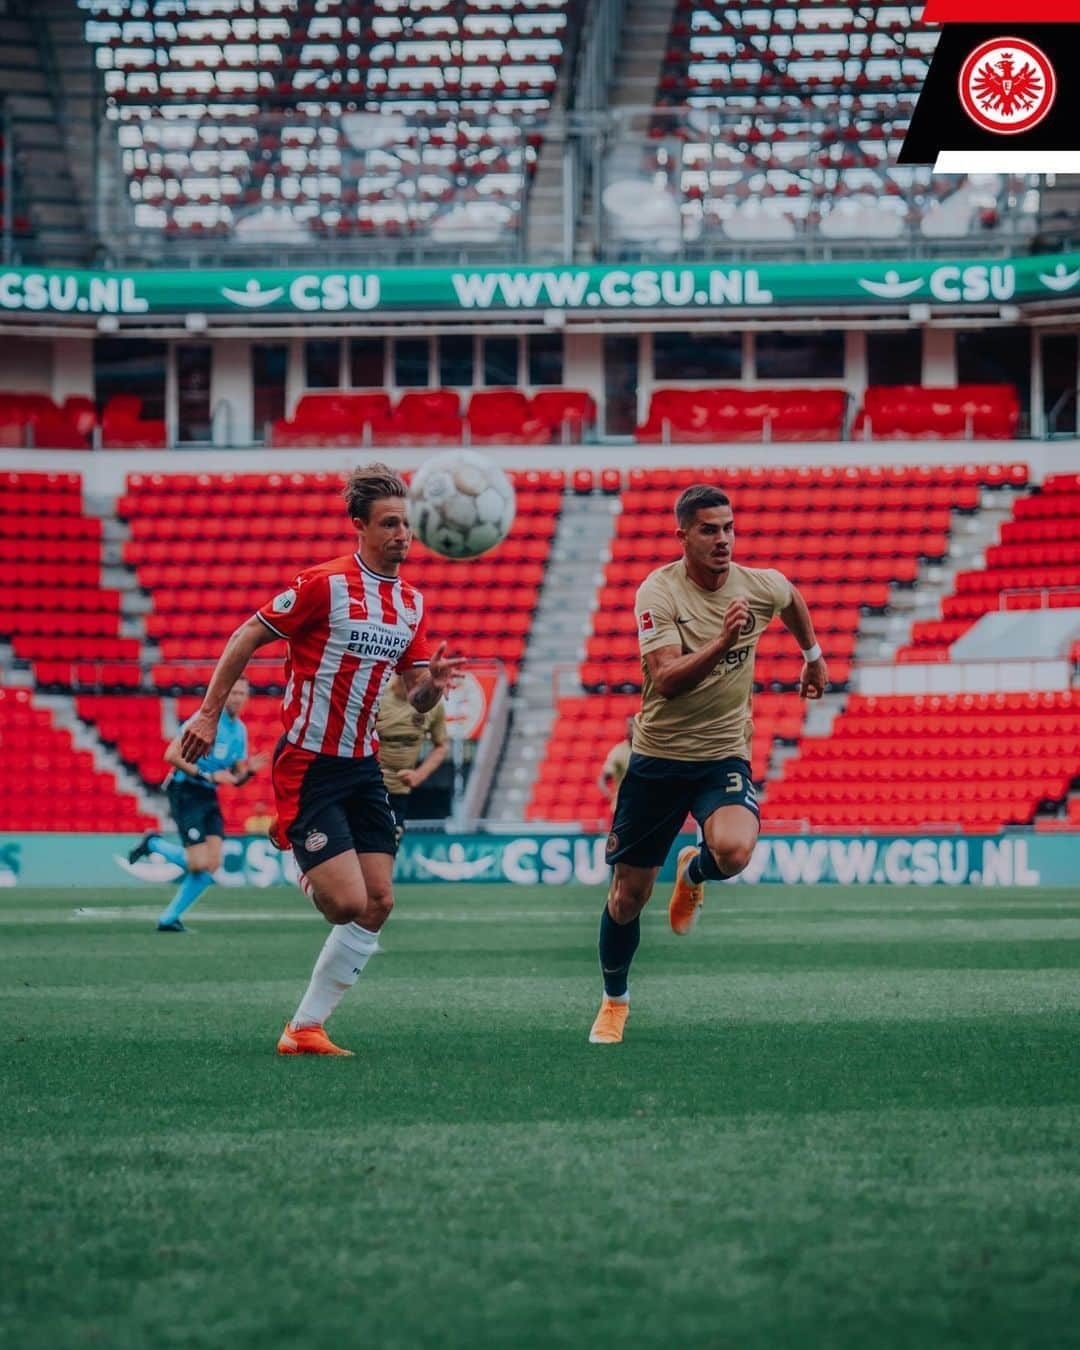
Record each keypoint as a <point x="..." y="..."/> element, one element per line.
<point x="193" y="800"/>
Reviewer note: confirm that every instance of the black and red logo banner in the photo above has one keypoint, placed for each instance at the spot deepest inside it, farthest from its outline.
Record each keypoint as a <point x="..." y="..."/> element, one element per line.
<point x="999" y="92"/>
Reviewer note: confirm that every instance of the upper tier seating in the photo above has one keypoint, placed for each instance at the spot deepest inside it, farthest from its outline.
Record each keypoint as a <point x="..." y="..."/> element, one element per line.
<point x="785" y="121"/>
<point x="59" y="617"/>
<point x="739" y="414"/>
<point x="123" y="426"/>
<point x="585" y="730"/>
<point x="433" y="417"/>
<point x="1036" y="565"/>
<point x="907" y="412"/>
<point x="861" y="541"/>
<point x="52" y="784"/>
<point x="34" y="420"/>
<point x="355" y="119"/>
<point x="209" y="563"/>
<point x="978" y="761"/>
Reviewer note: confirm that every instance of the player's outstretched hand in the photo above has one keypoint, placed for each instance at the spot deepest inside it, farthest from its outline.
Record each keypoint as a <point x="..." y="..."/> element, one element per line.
<point x="443" y="669"/>
<point x="814" y="678"/>
<point x="258" y="762"/>
<point x="734" y="617"/>
<point x="198" y="736"/>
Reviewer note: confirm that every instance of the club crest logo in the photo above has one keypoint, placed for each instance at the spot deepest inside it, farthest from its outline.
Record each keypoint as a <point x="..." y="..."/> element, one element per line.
<point x="1007" y="85"/>
<point x="748" y="626"/>
<point x="612" y="843"/>
<point x="316" y="841"/>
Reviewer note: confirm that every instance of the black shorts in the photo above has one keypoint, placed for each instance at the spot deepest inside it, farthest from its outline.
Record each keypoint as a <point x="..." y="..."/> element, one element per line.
<point x="330" y="804"/>
<point x="657" y="794"/>
<point x="196" y="810"/>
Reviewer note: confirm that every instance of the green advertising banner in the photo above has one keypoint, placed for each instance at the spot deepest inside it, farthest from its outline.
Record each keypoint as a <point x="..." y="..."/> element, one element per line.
<point x="573" y="289"/>
<point x="100" y="860"/>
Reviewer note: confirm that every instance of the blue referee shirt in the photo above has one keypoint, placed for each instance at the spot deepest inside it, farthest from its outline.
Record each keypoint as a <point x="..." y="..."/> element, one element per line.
<point x="230" y="744"/>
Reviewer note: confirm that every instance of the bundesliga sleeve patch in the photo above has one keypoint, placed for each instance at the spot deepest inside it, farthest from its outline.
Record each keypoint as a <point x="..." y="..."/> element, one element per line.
<point x="645" y="622"/>
<point x="281" y="604"/>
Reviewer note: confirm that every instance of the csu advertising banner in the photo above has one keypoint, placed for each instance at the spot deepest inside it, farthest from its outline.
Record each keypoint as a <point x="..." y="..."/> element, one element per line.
<point x="590" y="290"/>
<point x="525" y="859"/>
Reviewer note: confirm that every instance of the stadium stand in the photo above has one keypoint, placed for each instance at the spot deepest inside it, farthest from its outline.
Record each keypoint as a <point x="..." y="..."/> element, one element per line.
<point x="1036" y="565"/>
<point x="780" y="121"/>
<point x="59" y="617"/>
<point x="209" y="563"/>
<point x="977" y="761"/>
<point x="59" y="786"/>
<point x="739" y="414"/>
<point x="434" y="417"/>
<point x="914" y="412"/>
<point x="858" y="545"/>
<point x="357" y="121"/>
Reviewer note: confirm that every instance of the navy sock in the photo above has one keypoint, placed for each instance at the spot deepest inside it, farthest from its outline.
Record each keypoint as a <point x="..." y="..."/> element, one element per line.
<point x="618" y="943"/>
<point x="703" y="868"/>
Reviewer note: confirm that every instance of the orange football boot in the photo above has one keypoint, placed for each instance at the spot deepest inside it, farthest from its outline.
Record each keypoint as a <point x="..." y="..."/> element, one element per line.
<point x="308" y="1041"/>
<point x="686" y="898"/>
<point x="610" y="1020"/>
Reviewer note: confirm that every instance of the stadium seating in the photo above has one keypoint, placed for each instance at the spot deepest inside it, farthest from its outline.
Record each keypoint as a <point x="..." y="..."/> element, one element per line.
<point x="411" y="126"/>
<point x="1036" y="565"/>
<point x="585" y="730"/>
<point x="209" y="563"/>
<point x="915" y="412"/>
<point x="123" y="426"/>
<point x="337" y="418"/>
<point x="59" y="617"/>
<point x="29" y="420"/>
<point x="54" y="785"/>
<point x="785" y="121"/>
<point x="433" y="417"/>
<point x="740" y="414"/>
<point x="860" y="543"/>
<point x="975" y="761"/>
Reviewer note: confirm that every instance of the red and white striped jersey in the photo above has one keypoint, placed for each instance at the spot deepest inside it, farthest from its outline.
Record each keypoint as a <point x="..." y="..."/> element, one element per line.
<point x="348" y="629"/>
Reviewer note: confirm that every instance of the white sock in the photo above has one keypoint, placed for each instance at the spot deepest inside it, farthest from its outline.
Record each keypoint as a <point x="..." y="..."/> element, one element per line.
<point x="344" y="955"/>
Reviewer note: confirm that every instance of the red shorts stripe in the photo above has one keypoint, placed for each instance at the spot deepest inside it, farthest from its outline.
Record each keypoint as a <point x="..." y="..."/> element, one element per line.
<point x="291" y="763"/>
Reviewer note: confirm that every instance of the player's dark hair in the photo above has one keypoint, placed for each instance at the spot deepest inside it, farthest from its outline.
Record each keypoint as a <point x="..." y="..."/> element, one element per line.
<point x="698" y="498"/>
<point x="368" y="484"/>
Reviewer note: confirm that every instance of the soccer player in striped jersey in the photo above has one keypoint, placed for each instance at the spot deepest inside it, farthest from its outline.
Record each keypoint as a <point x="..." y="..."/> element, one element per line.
<point x="350" y="625"/>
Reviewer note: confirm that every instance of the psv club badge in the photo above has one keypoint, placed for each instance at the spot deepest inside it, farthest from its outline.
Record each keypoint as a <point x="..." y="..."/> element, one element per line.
<point x="1007" y="85"/>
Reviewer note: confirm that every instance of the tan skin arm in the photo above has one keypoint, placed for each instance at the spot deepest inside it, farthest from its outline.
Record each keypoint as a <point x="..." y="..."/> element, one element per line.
<point x="423" y="687"/>
<point x="796" y="619"/>
<point x="412" y="778"/>
<point x="672" y="673"/>
<point x="199" y="735"/>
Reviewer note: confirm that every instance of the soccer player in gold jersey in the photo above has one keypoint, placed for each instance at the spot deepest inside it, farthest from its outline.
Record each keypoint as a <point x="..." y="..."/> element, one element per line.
<point x="699" y="621"/>
<point x="402" y="731"/>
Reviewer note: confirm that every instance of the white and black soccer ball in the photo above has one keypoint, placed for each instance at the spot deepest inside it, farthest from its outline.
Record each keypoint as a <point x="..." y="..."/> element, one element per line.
<point x="461" y="504"/>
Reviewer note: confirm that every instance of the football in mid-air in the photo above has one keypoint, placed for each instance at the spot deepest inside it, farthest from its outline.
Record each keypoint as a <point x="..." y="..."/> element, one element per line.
<point x="462" y="504"/>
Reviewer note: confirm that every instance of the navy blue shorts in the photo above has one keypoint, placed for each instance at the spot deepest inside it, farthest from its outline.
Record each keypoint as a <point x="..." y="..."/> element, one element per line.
<point x="331" y="804"/>
<point x="196" y="810"/>
<point x="656" y="796"/>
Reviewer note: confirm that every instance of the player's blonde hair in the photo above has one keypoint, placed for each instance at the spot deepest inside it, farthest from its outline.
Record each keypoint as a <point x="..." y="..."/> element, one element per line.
<point x="368" y="484"/>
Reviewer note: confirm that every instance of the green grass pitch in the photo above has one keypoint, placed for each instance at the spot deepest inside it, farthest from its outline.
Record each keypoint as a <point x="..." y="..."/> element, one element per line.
<point x="841" y="1118"/>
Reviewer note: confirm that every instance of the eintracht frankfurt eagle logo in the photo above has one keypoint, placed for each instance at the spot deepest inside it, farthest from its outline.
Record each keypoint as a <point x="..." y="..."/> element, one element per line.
<point x="1007" y="85"/>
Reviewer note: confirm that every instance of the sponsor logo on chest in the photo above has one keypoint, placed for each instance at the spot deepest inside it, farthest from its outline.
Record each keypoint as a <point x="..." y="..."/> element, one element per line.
<point x="368" y="637"/>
